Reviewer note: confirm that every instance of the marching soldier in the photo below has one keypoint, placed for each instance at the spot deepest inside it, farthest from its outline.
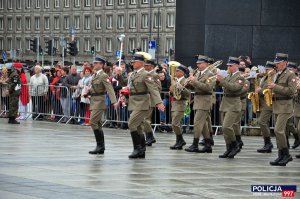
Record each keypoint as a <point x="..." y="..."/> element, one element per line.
<point x="100" y="84"/>
<point x="202" y="104"/>
<point x="14" y="82"/>
<point x="290" y="127"/>
<point x="181" y="95"/>
<point x="284" y="89"/>
<point x="149" y="67"/>
<point x="231" y="105"/>
<point x="142" y="90"/>
<point x="297" y="106"/>
<point x="265" y="111"/>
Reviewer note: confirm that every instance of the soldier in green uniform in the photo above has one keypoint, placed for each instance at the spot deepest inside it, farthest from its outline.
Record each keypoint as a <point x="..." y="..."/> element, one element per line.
<point x="142" y="90"/>
<point x="180" y="95"/>
<point x="14" y="93"/>
<point x="284" y="89"/>
<point x="231" y="105"/>
<point x="291" y="126"/>
<point x="149" y="67"/>
<point x="265" y="111"/>
<point x="203" y="88"/>
<point x="100" y="84"/>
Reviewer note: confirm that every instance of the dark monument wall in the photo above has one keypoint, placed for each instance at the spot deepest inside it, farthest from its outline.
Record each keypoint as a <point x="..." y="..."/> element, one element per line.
<point x="223" y="28"/>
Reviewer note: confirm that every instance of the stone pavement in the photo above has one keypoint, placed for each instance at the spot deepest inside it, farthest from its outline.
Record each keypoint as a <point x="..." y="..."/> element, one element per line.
<point x="48" y="160"/>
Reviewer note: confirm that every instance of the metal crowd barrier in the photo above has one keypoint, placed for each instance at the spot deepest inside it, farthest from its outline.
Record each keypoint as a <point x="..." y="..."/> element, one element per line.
<point x="62" y="105"/>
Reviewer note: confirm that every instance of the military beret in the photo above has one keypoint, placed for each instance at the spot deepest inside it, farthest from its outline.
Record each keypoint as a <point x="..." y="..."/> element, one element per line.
<point x="280" y="57"/>
<point x="233" y="60"/>
<point x="202" y="59"/>
<point x="99" y="59"/>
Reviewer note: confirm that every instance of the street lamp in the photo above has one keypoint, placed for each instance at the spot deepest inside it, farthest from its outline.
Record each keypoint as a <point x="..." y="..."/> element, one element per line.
<point x="158" y="27"/>
<point x="121" y="39"/>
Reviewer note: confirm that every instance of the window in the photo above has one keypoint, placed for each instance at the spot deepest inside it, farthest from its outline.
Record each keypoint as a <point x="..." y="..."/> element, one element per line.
<point x="47" y="23"/>
<point x="170" y="20"/>
<point x="87" y="22"/>
<point x="9" y="23"/>
<point x="9" y="43"/>
<point x="37" y="4"/>
<point x="169" y="44"/>
<point x="97" y="45"/>
<point x="56" y="23"/>
<point x="56" y="3"/>
<point x="144" y="45"/>
<point x="87" y="3"/>
<point x="1" y="4"/>
<point x="77" y="3"/>
<point x="120" y="21"/>
<point x="121" y="2"/>
<point x="157" y="1"/>
<point x="144" y="21"/>
<point x="131" y="44"/>
<point x="108" y="45"/>
<point x="109" y="21"/>
<point x="132" y="2"/>
<point x="98" y="2"/>
<point x="47" y="4"/>
<point x="9" y="4"/>
<point x="28" y="23"/>
<point x="37" y="23"/>
<point x="66" y="22"/>
<point x="109" y="2"/>
<point x="55" y="43"/>
<point x="19" y="23"/>
<point x="19" y="5"/>
<point x="1" y="23"/>
<point x="98" y="22"/>
<point x="86" y="45"/>
<point x="28" y="3"/>
<point x="67" y="3"/>
<point x="77" y="22"/>
<point x="18" y="43"/>
<point x="157" y="20"/>
<point x="1" y="44"/>
<point x="171" y="1"/>
<point x="132" y="21"/>
<point x="145" y="1"/>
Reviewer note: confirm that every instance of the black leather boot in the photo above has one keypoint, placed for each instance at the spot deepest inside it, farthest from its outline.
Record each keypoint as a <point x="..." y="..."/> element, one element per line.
<point x="13" y="120"/>
<point x="138" y="152"/>
<point x="143" y="141"/>
<point x="207" y="147"/>
<point x="193" y="147"/>
<point x="100" y="142"/>
<point x="287" y="141"/>
<point x="226" y="153"/>
<point x="267" y="148"/>
<point x="298" y="156"/>
<point x="286" y="157"/>
<point x="239" y="141"/>
<point x="202" y="142"/>
<point x="150" y="139"/>
<point x="179" y="143"/>
<point x="211" y="140"/>
<point x="234" y="149"/>
<point x="278" y="159"/>
<point x="297" y="141"/>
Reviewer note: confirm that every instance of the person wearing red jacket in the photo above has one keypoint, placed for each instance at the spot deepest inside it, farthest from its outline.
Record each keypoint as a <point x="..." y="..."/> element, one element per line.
<point x="24" y="96"/>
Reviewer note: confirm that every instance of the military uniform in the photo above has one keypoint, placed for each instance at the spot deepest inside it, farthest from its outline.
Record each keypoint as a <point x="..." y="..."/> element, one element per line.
<point x="203" y="99"/>
<point x="284" y="91"/>
<point x="231" y="107"/>
<point x="265" y="114"/>
<point x="178" y="108"/>
<point x="147" y="122"/>
<point x="297" y="109"/>
<point x="14" y="93"/>
<point x="143" y="90"/>
<point x="100" y="84"/>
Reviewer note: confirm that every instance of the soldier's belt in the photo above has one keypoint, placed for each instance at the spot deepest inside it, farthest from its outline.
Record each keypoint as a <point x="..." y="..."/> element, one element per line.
<point x="282" y="98"/>
<point x="141" y="93"/>
<point x="231" y="95"/>
<point x="197" y="93"/>
<point x="98" y="94"/>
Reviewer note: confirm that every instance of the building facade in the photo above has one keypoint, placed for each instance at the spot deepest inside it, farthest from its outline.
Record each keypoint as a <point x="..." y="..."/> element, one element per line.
<point x="96" y="23"/>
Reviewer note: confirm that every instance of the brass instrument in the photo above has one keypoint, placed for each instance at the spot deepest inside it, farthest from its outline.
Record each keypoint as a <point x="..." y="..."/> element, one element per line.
<point x="268" y="95"/>
<point x="254" y="96"/>
<point x="177" y="88"/>
<point x="214" y="67"/>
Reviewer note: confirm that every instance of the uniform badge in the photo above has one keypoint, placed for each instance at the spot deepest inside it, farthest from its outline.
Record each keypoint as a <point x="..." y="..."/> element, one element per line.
<point x="107" y="80"/>
<point x="240" y="81"/>
<point x="149" y="78"/>
<point x="293" y="80"/>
